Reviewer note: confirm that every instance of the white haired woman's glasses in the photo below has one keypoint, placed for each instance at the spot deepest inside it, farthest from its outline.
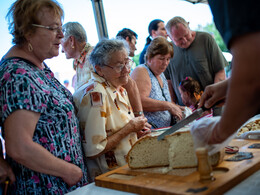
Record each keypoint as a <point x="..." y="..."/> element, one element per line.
<point x="120" y="67"/>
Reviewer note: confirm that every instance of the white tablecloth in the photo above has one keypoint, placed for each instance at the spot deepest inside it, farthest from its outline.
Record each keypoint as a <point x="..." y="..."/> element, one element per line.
<point x="249" y="186"/>
<point x="92" y="189"/>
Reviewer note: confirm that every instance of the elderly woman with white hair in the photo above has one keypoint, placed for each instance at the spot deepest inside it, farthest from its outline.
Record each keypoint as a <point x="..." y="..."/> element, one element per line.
<point x="74" y="45"/>
<point x="106" y="117"/>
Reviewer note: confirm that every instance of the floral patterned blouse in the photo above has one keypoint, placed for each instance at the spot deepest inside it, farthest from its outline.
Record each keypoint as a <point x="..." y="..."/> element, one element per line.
<point x="24" y="86"/>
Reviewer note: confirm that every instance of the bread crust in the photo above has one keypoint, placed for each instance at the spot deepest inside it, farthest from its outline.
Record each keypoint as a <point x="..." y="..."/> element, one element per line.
<point x="165" y="150"/>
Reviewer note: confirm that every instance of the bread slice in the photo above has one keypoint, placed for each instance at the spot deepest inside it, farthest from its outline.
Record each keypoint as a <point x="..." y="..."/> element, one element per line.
<point x="148" y="152"/>
<point x="176" y="150"/>
<point x="181" y="153"/>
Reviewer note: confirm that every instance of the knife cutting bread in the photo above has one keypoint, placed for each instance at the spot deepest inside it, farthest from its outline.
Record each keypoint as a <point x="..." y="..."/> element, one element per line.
<point x="176" y="151"/>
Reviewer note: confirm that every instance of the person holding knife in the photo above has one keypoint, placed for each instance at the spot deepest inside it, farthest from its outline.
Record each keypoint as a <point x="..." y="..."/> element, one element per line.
<point x="240" y="29"/>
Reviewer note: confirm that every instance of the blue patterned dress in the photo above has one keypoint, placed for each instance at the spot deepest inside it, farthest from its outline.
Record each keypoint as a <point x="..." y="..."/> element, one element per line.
<point x="159" y="118"/>
<point x="24" y="86"/>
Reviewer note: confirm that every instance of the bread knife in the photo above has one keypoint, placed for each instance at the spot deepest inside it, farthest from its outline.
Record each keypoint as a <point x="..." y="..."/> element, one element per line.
<point x="196" y="114"/>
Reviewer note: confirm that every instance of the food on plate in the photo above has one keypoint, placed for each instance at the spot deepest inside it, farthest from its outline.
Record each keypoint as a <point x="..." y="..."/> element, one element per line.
<point x="176" y="150"/>
<point x="251" y="126"/>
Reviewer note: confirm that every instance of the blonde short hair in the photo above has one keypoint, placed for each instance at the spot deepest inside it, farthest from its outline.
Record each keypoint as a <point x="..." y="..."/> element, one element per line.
<point x="23" y="13"/>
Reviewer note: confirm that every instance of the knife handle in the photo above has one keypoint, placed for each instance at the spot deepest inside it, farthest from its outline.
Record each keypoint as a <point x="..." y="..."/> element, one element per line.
<point x="217" y="104"/>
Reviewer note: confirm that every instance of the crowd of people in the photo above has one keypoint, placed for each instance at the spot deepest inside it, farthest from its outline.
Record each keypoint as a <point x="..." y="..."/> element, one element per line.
<point x="56" y="141"/>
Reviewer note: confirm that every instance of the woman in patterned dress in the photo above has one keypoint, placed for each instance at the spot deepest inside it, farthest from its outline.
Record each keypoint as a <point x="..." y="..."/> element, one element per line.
<point x="156" y="100"/>
<point x="39" y="124"/>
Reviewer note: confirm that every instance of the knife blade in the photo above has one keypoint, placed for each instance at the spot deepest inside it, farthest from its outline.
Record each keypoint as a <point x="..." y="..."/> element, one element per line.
<point x="182" y="123"/>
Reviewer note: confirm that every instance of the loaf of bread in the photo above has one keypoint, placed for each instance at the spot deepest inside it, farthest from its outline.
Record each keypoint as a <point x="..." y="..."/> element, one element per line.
<point x="176" y="151"/>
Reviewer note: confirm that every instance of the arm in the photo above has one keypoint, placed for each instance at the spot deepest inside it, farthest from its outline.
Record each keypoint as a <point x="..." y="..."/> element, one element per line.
<point x="19" y="129"/>
<point x="172" y="93"/>
<point x="134" y="125"/>
<point x="220" y="76"/>
<point x="134" y="95"/>
<point x="5" y="171"/>
<point x="244" y="89"/>
<point x="101" y="122"/>
<point x="142" y="79"/>
<point x="218" y="61"/>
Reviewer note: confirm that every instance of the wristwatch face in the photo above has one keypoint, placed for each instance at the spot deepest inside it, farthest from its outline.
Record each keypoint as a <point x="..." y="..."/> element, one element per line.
<point x="139" y="113"/>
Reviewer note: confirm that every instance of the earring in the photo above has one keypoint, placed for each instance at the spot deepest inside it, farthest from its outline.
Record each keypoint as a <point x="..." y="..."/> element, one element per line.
<point x="72" y="47"/>
<point x="30" y="48"/>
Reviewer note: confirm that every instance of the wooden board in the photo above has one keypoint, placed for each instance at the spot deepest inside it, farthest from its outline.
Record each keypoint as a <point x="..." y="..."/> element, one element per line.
<point x="160" y="181"/>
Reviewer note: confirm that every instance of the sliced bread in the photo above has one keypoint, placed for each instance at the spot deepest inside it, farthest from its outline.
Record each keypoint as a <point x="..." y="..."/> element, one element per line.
<point x="176" y="150"/>
<point x="148" y="152"/>
<point x="181" y="153"/>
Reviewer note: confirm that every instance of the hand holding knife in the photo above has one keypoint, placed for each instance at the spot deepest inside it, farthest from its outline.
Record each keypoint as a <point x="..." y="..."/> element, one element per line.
<point x="195" y="115"/>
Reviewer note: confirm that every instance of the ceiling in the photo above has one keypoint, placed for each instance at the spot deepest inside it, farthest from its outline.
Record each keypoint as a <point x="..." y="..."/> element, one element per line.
<point x="101" y="21"/>
<point x="197" y="1"/>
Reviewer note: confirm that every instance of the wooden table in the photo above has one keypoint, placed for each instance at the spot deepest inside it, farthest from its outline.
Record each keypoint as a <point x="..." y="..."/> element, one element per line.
<point x="183" y="181"/>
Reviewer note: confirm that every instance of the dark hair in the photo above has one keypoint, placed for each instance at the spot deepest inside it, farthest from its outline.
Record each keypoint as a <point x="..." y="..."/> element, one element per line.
<point x="191" y="86"/>
<point x="152" y="26"/>
<point x="159" y="45"/>
<point x="23" y="13"/>
<point x="126" y="32"/>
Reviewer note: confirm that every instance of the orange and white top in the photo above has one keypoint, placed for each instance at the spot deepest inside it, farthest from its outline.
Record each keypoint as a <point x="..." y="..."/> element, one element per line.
<point x="102" y="111"/>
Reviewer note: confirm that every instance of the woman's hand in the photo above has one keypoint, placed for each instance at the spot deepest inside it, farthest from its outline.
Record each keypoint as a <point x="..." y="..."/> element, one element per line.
<point x="144" y="131"/>
<point x="6" y="172"/>
<point x="139" y="123"/>
<point x="73" y="175"/>
<point x="136" y="125"/>
<point x="175" y="110"/>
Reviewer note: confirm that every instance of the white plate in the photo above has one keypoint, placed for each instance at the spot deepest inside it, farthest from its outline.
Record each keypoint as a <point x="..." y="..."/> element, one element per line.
<point x="250" y="134"/>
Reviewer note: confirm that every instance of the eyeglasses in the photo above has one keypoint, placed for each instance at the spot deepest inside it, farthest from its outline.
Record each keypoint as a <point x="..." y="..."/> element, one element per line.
<point x="57" y="29"/>
<point x="119" y="68"/>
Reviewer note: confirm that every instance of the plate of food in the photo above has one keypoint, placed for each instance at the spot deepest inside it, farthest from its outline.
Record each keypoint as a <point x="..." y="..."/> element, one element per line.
<point x="250" y="129"/>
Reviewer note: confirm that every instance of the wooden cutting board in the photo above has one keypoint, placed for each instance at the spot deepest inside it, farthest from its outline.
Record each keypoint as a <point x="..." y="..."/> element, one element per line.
<point x="183" y="181"/>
